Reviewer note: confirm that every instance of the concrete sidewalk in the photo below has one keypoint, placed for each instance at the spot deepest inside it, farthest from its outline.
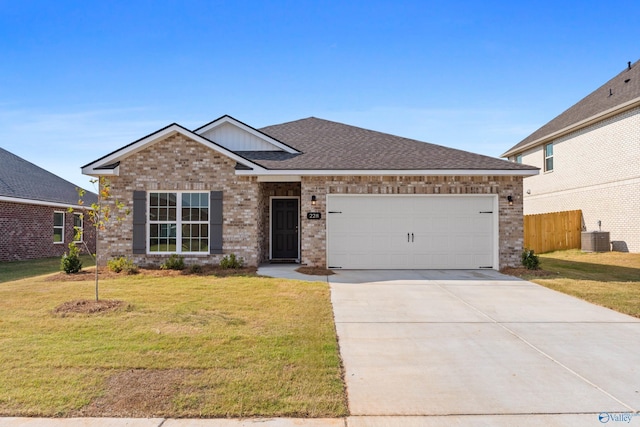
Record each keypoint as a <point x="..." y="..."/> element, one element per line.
<point x="526" y="420"/>
<point x="163" y="422"/>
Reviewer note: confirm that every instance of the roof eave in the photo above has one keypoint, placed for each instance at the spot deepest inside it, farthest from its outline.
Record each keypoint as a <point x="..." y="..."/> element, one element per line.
<point x="390" y="172"/>
<point x="576" y="126"/>
<point x="103" y="166"/>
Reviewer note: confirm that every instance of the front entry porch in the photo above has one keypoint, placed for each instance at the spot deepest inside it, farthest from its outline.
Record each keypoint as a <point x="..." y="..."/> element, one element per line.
<point x="280" y="226"/>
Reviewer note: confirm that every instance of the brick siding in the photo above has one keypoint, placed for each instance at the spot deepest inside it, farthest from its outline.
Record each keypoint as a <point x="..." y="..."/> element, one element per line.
<point x="180" y="164"/>
<point x="595" y="170"/>
<point x="510" y="223"/>
<point x="26" y="232"/>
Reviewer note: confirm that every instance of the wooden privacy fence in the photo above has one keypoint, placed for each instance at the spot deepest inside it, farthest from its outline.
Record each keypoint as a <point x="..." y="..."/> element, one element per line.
<point x="553" y="231"/>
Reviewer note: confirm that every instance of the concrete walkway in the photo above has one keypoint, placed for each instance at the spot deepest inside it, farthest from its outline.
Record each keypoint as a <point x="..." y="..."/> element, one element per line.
<point x="288" y="271"/>
<point x="480" y="348"/>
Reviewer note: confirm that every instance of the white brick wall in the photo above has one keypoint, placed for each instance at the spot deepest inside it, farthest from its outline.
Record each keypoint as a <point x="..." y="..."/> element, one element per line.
<point x="597" y="170"/>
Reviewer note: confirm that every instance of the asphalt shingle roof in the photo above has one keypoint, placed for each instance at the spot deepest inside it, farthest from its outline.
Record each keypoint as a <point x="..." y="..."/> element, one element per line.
<point x="327" y="145"/>
<point x="621" y="89"/>
<point x="24" y="180"/>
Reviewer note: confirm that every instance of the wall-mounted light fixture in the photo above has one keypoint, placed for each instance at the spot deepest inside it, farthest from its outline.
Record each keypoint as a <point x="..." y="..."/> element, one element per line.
<point x="313" y="200"/>
<point x="510" y="200"/>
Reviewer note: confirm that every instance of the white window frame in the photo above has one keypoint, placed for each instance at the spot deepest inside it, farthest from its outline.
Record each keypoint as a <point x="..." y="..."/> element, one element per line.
<point x="518" y="158"/>
<point x="547" y="157"/>
<point x="179" y="223"/>
<point x="60" y="227"/>
<point x="79" y="216"/>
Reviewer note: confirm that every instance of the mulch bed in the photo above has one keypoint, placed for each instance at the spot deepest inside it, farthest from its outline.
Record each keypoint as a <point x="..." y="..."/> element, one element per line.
<point x="315" y="271"/>
<point x="105" y="273"/>
<point x="523" y="272"/>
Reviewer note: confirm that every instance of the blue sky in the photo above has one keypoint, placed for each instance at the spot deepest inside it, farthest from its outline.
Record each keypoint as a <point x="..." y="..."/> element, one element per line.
<point x="79" y="79"/>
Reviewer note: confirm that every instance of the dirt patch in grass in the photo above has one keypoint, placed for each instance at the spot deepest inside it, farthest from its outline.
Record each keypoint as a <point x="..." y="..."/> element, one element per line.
<point x="525" y="272"/>
<point x="85" y="306"/>
<point x="315" y="271"/>
<point x="139" y="393"/>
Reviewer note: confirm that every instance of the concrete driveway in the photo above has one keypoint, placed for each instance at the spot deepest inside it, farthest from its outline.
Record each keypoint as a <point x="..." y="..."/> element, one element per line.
<point x="460" y="344"/>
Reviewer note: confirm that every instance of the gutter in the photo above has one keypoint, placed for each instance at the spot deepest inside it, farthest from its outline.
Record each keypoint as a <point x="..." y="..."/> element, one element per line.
<point x="42" y="203"/>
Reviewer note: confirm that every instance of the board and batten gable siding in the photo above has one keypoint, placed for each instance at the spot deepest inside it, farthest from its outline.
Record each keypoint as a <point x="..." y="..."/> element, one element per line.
<point x="236" y="139"/>
<point x="596" y="171"/>
<point x="179" y="164"/>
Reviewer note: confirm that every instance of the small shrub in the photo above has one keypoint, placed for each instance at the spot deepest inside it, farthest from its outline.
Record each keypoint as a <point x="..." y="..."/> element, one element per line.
<point x="175" y="262"/>
<point x="530" y="260"/>
<point x="231" y="261"/>
<point x="195" y="269"/>
<point x="70" y="262"/>
<point x="122" y="264"/>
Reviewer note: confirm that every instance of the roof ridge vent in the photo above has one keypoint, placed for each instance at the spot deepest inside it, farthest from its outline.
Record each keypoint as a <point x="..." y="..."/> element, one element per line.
<point x="629" y="64"/>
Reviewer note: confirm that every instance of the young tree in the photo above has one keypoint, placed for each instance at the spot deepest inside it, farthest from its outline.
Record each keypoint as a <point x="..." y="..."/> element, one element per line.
<point x="102" y="214"/>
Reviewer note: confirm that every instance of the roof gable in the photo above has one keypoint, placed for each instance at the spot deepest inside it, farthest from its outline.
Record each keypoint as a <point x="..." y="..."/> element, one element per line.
<point x="21" y="180"/>
<point x="108" y="165"/>
<point x="617" y="95"/>
<point x="238" y="136"/>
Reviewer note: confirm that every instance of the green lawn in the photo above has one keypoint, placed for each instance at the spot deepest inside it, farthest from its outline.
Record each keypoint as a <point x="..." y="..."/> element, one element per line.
<point x="184" y="346"/>
<point x="610" y="279"/>
<point x="21" y="269"/>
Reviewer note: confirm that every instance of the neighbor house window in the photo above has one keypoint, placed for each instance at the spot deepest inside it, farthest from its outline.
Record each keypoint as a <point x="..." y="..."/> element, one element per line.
<point x="519" y="158"/>
<point x="548" y="157"/>
<point x="179" y="222"/>
<point x="58" y="227"/>
<point x="78" y="231"/>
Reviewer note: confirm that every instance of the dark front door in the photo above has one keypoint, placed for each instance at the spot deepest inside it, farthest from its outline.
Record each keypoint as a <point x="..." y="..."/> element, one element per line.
<point x="284" y="228"/>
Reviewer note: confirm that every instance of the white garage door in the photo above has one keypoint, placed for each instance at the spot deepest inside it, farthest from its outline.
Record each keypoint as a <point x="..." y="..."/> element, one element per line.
<point x="402" y="232"/>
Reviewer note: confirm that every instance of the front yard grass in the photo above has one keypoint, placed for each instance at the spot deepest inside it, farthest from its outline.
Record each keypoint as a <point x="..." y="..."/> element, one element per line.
<point x="182" y="346"/>
<point x="610" y="279"/>
<point x="15" y="270"/>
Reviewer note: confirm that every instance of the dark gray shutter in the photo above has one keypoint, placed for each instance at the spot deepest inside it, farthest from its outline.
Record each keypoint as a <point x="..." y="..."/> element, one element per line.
<point x="215" y="232"/>
<point x="139" y="222"/>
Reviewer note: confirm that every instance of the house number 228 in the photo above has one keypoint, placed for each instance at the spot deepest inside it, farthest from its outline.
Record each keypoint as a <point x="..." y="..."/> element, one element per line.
<point x="314" y="215"/>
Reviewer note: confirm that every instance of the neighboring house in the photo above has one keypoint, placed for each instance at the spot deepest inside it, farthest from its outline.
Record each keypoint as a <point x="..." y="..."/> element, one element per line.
<point x="34" y="217"/>
<point x="312" y="191"/>
<point x="590" y="155"/>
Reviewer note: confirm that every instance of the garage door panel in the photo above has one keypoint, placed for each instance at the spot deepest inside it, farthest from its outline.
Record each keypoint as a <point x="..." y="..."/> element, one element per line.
<point x="411" y="231"/>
